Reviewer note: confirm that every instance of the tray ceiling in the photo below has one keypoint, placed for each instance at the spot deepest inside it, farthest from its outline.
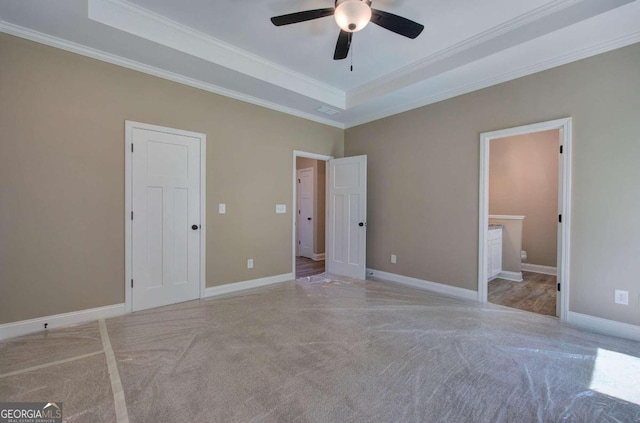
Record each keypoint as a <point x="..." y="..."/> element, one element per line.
<point x="231" y="47"/>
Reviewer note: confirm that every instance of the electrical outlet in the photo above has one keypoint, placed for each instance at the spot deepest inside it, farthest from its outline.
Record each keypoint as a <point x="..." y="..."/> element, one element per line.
<point x="222" y="208"/>
<point x="621" y="297"/>
<point x="281" y="208"/>
<point x="250" y="264"/>
<point x="393" y="258"/>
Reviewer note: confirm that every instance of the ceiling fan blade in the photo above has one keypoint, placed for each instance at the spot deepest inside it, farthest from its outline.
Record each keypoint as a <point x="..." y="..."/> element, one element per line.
<point x="307" y="15"/>
<point x="342" y="46"/>
<point x="395" y="23"/>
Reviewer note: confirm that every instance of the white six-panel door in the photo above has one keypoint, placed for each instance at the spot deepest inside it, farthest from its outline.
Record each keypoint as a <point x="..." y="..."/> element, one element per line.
<point x="305" y="212"/>
<point x="347" y="206"/>
<point x="166" y="218"/>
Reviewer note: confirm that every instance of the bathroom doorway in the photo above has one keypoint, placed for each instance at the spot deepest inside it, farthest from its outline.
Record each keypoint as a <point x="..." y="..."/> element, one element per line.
<point x="524" y="199"/>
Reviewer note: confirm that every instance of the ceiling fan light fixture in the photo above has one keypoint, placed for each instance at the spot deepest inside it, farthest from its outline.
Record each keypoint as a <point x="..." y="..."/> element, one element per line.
<point x="352" y="15"/>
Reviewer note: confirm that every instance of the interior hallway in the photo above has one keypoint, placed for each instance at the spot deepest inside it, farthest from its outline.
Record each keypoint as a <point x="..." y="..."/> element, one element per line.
<point x="338" y="350"/>
<point x="536" y="293"/>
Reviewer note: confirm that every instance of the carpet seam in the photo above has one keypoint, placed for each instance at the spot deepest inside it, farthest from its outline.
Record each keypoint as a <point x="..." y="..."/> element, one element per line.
<point x="116" y="384"/>
<point x="53" y="363"/>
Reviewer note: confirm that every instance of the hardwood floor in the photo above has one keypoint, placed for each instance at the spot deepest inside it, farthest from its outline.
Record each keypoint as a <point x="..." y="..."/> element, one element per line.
<point x="308" y="267"/>
<point x="537" y="293"/>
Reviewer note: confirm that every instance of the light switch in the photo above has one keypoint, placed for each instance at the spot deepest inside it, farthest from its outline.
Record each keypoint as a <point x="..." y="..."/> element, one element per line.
<point x="281" y="208"/>
<point x="222" y="208"/>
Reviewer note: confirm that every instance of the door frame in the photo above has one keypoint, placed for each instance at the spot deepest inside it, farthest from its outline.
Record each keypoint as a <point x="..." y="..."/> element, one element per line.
<point x="128" y="200"/>
<point x="564" y="206"/>
<point x="294" y="218"/>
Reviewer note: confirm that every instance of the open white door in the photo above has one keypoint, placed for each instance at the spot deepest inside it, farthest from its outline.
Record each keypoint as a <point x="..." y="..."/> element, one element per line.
<point x="347" y="220"/>
<point x="305" y="212"/>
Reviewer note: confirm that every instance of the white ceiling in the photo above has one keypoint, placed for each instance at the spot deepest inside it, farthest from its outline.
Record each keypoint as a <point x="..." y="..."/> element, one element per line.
<point x="231" y="47"/>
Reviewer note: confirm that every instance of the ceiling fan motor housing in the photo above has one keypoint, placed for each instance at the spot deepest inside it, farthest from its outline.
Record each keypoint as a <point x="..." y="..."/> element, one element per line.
<point x="352" y="15"/>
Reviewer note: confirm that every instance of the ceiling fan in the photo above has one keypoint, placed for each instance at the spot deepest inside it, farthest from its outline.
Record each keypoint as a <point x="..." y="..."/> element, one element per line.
<point x="351" y="16"/>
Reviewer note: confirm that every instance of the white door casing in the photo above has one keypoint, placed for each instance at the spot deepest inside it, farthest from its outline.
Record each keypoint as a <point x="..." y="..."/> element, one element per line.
<point x="166" y="245"/>
<point x="561" y="188"/>
<point x="306" y="218"/>
<point x="347" y="217"/>
<point x="564" y="199"/>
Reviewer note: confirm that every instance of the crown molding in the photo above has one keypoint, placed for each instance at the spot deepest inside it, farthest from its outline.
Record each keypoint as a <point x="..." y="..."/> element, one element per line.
<point x="403" y="76"/>
<point x="72" y="47"/>
<point x="380" y="106"/>
<point x="560" y="60"/>
<point x="143" y="23"/>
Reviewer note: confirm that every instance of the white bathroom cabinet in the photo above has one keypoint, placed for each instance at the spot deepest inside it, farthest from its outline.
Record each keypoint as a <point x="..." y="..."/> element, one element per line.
<point x="494" y="252"/>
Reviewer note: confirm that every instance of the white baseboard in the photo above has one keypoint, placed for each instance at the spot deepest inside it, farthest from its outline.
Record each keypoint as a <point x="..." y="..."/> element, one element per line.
<point x="318" y="257"/>
<point x="214" y="291"/>
<point x="510" y="276"/>
<point x="605" y="326"/>
<point x="25" y="327"/>
<point x="538" y="268"/>
<point x="452" y="291"/>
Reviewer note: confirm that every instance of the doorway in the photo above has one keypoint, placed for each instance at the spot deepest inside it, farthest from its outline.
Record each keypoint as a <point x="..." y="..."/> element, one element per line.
<point x="524" y="213"/>
<point x="523" y="221"/>
<point x="310" y="214"/>
<point x="164" y="215"/>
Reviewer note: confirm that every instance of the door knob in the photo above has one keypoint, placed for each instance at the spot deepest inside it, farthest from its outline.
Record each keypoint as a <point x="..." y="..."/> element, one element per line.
<point x="194" y="227"/>
<point x="362" y="224"/>
<point x="308" y="218"/>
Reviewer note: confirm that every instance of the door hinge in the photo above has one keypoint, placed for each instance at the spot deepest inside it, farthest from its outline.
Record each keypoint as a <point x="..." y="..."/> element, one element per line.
<point x="560" y="149"/>
<point x="298" y="242"/>
<point x="560" y="218"/>
<point x="131" y="215"/>
<point x="558" y="287"/>
<point x="132" y="147"/>
<point x="298" y="211"/>
<point x="298" y="180"/>
<point x="131" y="283"/>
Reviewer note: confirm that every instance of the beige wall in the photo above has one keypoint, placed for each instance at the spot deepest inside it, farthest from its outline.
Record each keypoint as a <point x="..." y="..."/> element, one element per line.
<point x="523" y="180"/>
<point x="62" y="177"/>
<point x="319" y="175"/>
<point x="424" y="166"/>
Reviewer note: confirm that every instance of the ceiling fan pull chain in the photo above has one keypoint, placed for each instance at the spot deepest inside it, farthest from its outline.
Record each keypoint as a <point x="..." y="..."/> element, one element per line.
<point x="350" y="35"/>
